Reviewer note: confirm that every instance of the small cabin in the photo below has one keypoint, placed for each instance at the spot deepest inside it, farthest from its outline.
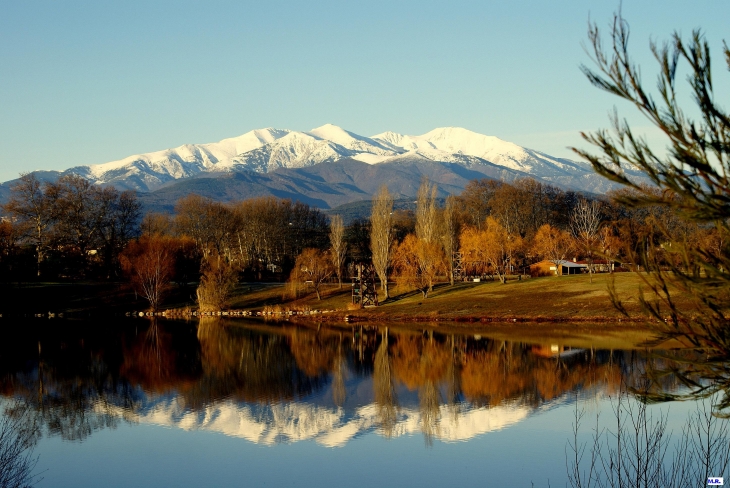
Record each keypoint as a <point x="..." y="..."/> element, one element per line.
<point x="552" y="268"/>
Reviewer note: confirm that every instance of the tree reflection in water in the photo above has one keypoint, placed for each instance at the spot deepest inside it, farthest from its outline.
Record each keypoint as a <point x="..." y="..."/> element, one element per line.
<point x="339" y="375"/>
<point x="384" y="388"/>
<point x="82" y="380"/>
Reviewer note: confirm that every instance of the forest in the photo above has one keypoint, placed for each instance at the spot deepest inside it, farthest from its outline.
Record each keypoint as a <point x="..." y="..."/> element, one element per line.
<point x="71" y="230"/>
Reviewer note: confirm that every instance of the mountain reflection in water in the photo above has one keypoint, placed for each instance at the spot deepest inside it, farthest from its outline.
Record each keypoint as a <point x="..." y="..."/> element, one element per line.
<point x="283" y="383"/>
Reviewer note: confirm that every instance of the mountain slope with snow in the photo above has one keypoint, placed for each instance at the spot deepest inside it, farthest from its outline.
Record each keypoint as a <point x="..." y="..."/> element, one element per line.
<point x="269" y="150"/>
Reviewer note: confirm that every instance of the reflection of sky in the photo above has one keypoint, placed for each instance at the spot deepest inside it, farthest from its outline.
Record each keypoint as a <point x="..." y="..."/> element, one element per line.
<point x="145" y="454"/>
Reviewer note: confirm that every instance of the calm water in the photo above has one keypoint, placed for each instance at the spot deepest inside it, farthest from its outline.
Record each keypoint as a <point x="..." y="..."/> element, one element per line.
<point x="224" y="403"/>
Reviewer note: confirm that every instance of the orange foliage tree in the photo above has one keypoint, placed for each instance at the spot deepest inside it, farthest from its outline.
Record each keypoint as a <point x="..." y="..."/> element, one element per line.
<point x="150" y="264"/>
<point x="552" y="244"/>
<point x="491" y="248"/>
<point x="418" y="262"/>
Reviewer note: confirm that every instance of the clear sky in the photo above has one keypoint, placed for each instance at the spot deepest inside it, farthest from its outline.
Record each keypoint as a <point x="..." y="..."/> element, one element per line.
<point x="90" y="82"/>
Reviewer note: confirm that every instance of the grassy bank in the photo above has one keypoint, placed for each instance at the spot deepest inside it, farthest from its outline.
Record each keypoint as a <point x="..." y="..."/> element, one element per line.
<point x="564" y="298"/>
<point x="550" y="299"/>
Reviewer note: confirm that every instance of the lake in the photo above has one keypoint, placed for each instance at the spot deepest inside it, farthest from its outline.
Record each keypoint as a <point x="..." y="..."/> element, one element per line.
<point x="233" y="402"/>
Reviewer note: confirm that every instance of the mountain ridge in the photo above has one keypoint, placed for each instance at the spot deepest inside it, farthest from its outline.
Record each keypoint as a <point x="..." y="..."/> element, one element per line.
<point x="453" y="152"/>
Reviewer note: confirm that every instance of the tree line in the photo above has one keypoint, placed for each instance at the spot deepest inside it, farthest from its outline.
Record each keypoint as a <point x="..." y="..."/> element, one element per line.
<point x="497" y="229"/>
<point x="75" y="230"/>
<point x="65" y="229"/>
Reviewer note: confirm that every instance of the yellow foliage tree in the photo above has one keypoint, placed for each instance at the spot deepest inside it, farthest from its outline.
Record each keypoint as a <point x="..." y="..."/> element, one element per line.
<point x="418" y="263"/>
<point x="552" y="244"/>
<point x="490" y="249"/>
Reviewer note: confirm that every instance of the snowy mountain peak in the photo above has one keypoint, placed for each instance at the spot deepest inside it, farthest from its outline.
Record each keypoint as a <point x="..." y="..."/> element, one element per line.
<point x="265" y="150"/>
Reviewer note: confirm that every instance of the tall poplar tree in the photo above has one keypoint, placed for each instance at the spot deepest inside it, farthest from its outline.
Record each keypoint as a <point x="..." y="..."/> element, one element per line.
<point x="381" y="235"/>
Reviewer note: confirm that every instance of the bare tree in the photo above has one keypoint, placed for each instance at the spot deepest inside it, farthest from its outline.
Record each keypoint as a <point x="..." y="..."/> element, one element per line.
<point x="585" y="224"/>
<point x="381" y="235"/>
<point x="19" y="431"/>
<point x="635" y="451"/>
<point x="476" y="199"/>
<point x="338" y="246"/>
<point x="156" y="224"/>
<point x="34" y="209"/>
<point x="312" y="267"/>
<point x="82" y="209"/>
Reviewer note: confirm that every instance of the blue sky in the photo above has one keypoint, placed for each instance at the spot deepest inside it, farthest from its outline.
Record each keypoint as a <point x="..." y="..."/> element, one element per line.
<point x="91" y="82"/>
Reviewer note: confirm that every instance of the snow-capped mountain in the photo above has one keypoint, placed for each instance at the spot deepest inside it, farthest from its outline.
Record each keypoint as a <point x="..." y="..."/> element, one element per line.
<point x="265" y="150"/>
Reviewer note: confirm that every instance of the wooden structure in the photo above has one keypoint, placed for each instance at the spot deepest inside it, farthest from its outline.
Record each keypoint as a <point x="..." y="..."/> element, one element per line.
<point x="550" y="268"/>
<point x="457" y="258"/>
<point x="363" y="285"/>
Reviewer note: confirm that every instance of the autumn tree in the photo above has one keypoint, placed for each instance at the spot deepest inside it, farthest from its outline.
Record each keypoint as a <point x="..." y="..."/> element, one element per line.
<point x="470" y="246"/>
<point x="312" y="267"/>
<point x="149" y="262"/>
<point x="381" y="235"/>
<point x="218" y="277"/>
<point x="338" y="247"/>
<point x="553" y="245"/>
<point x="418" y="262"/>
<point x="585" y="222"/>
<point x="490" y="249"/>
<point x="384" y="392"/>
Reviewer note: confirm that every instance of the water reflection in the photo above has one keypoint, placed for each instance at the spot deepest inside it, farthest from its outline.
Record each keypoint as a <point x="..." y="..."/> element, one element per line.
<point x="284" y="383"/>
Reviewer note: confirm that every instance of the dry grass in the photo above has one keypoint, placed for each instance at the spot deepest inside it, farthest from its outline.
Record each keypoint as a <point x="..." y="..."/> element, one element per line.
<point x="548" y="298"/>
<point x="560" y="297"/>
